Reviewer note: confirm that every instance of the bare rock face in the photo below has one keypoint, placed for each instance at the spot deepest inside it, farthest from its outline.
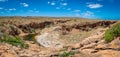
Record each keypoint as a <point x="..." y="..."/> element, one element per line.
<point x="50" y="38"/>
<point x="108" y="53"/>
<point x="6" y="51"/>
<point x="95" y="46"/>
<point x="114" y="45"/>
<point x="93" y="39"/>
<point x="103" y="49"/>
<point x="27" y="27"/>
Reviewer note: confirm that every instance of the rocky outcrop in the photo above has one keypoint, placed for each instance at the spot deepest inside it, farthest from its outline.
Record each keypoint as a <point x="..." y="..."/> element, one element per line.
<point x="34" y="50"/>
<point x="50" y="38"/>
<point x="103" y="49"/>
<point x="6" y="51"/>
<point x="62" y="21"/>
<point x="95" y="46"/>
<point x="27" y="28"/>
<point x="15" y="29"/>
<point x="94" y="25"/>
<point x="85" y="27"/>
<point x="49" y="43"/>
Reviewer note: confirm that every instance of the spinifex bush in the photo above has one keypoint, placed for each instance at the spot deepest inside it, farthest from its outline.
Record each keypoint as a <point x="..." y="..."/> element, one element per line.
<point x="113" y="32"/>
<point x="30" y="37"/>
<point x="13" y="30"/>
<point x="67" y="54"/>
<point x="13" y="40"/>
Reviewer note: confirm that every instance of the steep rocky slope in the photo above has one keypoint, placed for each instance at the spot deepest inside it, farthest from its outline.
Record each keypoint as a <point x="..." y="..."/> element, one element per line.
<point x="57" y="38"/>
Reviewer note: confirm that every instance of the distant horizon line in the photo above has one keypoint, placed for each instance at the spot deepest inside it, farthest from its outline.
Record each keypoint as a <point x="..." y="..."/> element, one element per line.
<point x="65" y="17"/>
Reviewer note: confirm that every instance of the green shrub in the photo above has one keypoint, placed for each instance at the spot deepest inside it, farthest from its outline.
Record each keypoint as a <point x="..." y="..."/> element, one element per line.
<point x="108" y="36"/>
<point x="48" y="25"/>
<point x="75" y="20"/>
<point x="67" y="54"/>
<point x="30" y="37"/>
<point x="32" y="30"/>
<point x="13" y="40"/>
<point x="112" y="32"/>
<point x="12" y="27"/>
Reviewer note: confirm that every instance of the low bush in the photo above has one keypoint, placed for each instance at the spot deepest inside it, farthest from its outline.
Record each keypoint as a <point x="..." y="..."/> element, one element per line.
<point x="67" y="54"/>
<point x="32" y="30"/>
<point x="113" y="32"/>
<point x="13" y="40"/>
<point x="30" y="37"/>
<point x="47" y="25"/>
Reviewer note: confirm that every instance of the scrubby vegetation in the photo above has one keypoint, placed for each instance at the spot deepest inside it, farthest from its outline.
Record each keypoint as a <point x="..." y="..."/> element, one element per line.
<point x="113" y="32"/>
<point x="67" y="54"/>
<point x="13" y="40"/>
<point x="13" y="30"/>
<point x="30" y="37"/>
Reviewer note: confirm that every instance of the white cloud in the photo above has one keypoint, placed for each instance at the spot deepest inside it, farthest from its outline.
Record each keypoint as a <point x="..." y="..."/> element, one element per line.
<point x="87" y="14"/>
<point x="64" y="4"/>
<point x="1" y="8"/>
<point x="76" y="10"/>
<point x="24" y="4"/>
<point x="3" y="0"/>
<point x="52" y="3"/>
<point x="94" y="5"/>
<point x="12" y="9"/>
<point x="69" y="9"/>
<point x="48" y="2"/>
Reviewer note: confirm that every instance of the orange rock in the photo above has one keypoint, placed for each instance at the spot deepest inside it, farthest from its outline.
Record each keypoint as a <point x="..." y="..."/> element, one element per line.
<point x="8" y="55"/>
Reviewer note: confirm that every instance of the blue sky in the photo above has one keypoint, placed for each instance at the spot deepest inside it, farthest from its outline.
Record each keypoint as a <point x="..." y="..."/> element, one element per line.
<point x="61" y="8"/>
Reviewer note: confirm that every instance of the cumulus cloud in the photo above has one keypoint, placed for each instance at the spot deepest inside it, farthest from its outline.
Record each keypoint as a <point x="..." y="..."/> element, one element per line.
<point x="3" y="0"/>
<point x="87" y="14"/>
<point x="69" y="9"/>
<point x="64" y="4"/>
<point x="94" y="5"/>
<point x="34" y="10"/>
<point x="1" y="8"/>
<point x="48" y="2"/>
<point x="53" y="3"/>
<point x="12" y="9"/>
<point x="60" y="4"/>
<point x="24" y="4"/>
